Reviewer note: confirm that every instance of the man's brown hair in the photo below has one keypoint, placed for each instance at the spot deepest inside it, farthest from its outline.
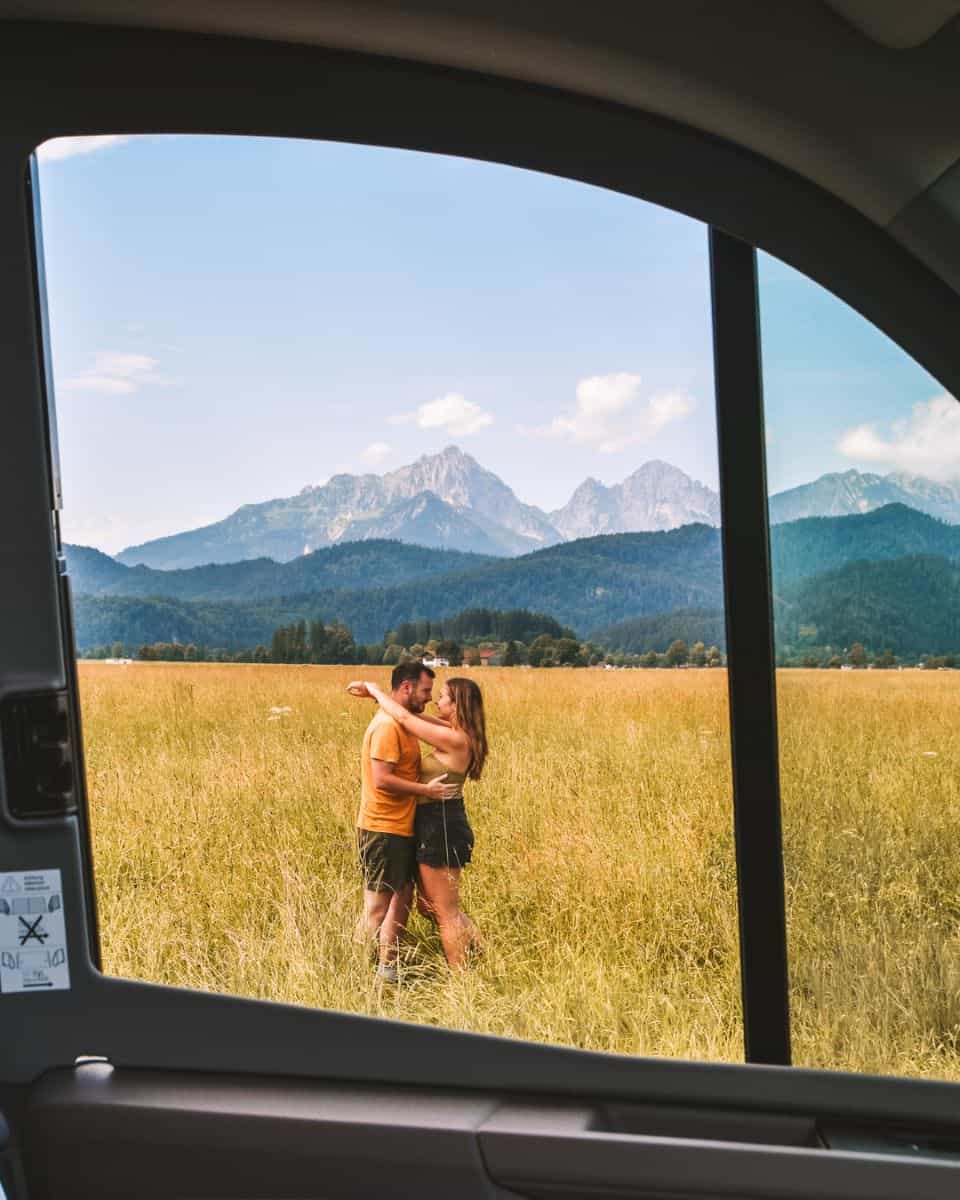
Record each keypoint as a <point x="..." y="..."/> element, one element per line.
<point x="409" y="673"/>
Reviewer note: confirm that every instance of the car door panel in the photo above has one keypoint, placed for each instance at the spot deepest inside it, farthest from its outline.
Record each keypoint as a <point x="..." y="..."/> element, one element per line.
<point x="113" y="1132"/>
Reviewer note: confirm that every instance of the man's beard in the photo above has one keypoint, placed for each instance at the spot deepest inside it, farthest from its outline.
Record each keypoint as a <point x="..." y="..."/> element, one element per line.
<point x="414" y="705"/>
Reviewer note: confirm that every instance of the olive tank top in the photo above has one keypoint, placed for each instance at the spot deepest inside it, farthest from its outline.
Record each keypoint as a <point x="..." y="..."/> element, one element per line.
<point x="431" y="767"/>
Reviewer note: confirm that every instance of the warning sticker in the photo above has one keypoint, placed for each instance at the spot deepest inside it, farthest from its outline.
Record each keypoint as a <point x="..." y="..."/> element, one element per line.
<point x="33" y="939"/>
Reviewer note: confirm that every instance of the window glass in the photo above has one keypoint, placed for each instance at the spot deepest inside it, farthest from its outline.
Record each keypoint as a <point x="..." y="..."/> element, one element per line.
<point x="325" y="410"/>
<point x="863" y="452"/>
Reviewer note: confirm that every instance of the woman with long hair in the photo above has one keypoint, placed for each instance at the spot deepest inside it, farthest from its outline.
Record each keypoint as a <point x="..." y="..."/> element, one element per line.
<point x="444" y="839"/>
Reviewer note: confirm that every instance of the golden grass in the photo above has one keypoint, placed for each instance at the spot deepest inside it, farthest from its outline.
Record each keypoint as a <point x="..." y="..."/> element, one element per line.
<point x="603" y="879"/>
<point x="871" y="818"/>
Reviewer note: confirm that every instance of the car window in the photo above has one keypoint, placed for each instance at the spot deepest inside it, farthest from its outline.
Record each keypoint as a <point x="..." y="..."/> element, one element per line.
<point x="862" y="449"/>
<point x="328" y="410"/>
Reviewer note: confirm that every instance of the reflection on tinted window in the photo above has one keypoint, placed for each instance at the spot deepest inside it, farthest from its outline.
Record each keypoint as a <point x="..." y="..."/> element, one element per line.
<point x="865" y="513"/>
<point x="328" y="411"/>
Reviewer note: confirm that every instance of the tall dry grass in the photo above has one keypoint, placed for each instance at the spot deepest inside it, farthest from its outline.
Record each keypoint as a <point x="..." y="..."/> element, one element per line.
<point x="871" y="818"/>
<point x="604" y="877"/>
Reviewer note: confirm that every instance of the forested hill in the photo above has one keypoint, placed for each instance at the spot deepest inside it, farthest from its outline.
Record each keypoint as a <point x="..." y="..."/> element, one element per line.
<point x="908" y="604"/>
<point x="639" y="634"/>
<point x="348" y="565"/>
<point x="590" y="585"/>
<point x="800" y="549"/>
<point x="812" y="545"/>
<point x="583" y="584"/>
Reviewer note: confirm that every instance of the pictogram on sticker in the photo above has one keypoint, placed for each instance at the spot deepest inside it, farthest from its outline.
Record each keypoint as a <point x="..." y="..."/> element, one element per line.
<point x="33" y="941"/>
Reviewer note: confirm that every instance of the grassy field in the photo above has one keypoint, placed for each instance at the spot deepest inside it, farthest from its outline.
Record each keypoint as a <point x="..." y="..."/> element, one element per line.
<point x="603" y="879"/>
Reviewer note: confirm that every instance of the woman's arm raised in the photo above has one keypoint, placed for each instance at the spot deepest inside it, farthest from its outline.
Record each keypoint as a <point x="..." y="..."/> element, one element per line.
<point x="435" y="733"/>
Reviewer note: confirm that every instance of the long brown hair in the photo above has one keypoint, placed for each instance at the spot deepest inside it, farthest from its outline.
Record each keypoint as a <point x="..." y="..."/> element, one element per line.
<point x="468" y="711"/>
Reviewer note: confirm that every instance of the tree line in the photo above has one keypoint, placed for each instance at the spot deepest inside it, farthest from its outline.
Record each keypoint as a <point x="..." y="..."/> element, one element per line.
<point x="859" y="656"/>
<point x="318" y="642"/>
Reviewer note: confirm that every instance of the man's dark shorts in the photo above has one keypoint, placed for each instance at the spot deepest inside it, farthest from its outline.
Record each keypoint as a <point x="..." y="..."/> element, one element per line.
<point x="388" y="860"/>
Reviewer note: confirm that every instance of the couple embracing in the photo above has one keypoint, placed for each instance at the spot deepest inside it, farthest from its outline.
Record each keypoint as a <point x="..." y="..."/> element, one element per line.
<point x="412" y="827"/>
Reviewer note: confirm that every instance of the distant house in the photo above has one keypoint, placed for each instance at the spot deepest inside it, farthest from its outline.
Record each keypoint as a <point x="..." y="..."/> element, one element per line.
<point x="429" y="661"/>
<point x="488" y="657"/>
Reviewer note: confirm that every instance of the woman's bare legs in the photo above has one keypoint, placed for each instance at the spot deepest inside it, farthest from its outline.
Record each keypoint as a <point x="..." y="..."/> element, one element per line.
<point x="424" y="907"/>
<point x="439" y="888"/>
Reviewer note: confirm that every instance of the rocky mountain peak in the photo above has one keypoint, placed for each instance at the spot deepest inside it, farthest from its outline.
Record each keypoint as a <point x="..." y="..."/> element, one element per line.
<point x="589" y="487"/>
<point x="656" y="467"/>
<point x="459" y="480"/>
<point x="656" y="496"/>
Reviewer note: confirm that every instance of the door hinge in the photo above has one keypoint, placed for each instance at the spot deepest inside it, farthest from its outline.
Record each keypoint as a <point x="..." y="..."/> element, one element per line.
<point x="38" y="754"/>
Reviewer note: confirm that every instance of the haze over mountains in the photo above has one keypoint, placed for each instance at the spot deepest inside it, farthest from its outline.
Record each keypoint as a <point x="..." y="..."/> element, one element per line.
<point x="449" y="501"/>
<point x="446" y="500"/>
<point x="350" y="565"/>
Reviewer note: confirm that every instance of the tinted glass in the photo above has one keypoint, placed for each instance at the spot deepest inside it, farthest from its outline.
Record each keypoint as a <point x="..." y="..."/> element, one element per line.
<point x="863" y="453"/>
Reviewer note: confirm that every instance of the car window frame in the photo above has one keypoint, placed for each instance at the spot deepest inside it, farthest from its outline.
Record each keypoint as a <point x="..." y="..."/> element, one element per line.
<point x="323" y="94"/>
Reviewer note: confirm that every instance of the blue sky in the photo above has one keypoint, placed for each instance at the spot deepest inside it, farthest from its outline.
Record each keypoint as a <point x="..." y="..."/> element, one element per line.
<point x="233" y="319"/>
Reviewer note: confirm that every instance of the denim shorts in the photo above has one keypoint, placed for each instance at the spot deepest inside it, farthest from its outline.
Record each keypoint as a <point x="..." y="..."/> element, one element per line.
<point x="442" y="834"/>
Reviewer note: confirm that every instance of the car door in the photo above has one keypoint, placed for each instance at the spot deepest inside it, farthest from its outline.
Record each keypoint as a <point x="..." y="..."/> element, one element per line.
<point x="114" y="1087"/>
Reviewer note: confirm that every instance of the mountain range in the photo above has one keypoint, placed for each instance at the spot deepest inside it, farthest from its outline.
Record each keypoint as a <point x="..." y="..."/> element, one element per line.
<point x="449" y="501"/>
<point x="846" y="493"/>
<point x="836" y="579"/>
<point x="442" y="500"/>
<point x="446" y="500"/>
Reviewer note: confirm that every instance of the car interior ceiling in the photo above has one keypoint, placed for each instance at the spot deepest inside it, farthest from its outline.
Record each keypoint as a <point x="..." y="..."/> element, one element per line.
<point x="859" y="97"/>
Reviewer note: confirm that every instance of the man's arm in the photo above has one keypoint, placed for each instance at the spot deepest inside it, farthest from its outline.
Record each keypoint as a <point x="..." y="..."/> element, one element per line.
<point x="385" y="780"/>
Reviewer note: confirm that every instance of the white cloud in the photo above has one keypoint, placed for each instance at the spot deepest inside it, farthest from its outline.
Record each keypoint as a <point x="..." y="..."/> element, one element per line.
<point x="69" y="147"/>
<point x="925" y="443"/>
<point x="114" y="374"/>
<point x="376" y="452"/>
<point x="601" y="395"/>
<point x="452" y="412"/>
<point x="608" y="414"/>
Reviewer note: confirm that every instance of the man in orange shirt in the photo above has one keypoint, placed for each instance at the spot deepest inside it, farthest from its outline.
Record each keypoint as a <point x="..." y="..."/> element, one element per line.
<point x="389" y="787"/>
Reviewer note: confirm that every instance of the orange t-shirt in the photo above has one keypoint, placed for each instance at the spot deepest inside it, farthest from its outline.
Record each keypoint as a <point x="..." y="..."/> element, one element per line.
<point x="381" y="812"/>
